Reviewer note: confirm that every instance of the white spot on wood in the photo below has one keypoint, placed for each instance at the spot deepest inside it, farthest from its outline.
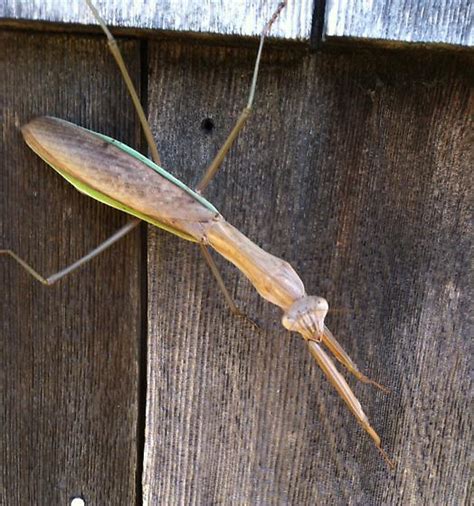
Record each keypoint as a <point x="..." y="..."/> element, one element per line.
<point x="78" y="501"/>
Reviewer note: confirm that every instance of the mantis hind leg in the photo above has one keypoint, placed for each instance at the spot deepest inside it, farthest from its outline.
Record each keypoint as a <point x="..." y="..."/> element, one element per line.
<point x="50" y="280"/>
<point x="129" y="84"/>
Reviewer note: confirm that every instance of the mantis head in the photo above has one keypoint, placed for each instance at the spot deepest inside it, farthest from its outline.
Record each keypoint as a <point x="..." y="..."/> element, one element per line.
<point x="306" y="316"/>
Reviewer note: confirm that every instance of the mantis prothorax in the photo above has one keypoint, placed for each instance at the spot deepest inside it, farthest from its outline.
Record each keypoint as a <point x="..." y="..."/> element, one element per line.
<point x="118" y="176"/>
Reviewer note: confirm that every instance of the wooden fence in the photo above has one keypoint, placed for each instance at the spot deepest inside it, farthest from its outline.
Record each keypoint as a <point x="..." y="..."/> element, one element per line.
<point x="129" y="382"/>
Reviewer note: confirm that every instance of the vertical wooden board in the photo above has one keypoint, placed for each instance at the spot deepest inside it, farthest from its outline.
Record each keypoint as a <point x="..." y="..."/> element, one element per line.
<point x="69" y="353"/>
<point x="354" y="169"/>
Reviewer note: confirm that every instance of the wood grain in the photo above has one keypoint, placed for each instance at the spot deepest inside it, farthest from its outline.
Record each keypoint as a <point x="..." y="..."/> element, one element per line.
<point x="428" y="22"/>
<point x="219" y="17"/>
<point x="354" y="169"/>
<point x="396" y="21"/>
<point x="69" y="353"/>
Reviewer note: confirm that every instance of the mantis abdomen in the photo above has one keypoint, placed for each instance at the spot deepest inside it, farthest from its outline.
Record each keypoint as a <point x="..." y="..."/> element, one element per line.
<point x="119" y="176"/>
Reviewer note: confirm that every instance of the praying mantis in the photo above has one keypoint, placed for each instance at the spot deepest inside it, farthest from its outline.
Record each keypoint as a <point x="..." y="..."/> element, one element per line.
<point x="120" y="177"/>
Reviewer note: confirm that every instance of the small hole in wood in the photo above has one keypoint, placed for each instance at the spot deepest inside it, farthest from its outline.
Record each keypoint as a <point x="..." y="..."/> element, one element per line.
<point x="77" y="501"/>
<point x="207" y="125"/>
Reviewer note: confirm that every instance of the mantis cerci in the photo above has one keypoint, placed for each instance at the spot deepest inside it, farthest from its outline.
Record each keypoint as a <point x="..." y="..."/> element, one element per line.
<point x="118" y="176"/>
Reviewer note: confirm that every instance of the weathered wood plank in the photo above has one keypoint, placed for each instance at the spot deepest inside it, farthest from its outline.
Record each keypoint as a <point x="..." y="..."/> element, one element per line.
<point x="69" y="374"/>
<point x="354" y="170"/>
<point x="432" y="22"/>
<point x="221" y="17"/>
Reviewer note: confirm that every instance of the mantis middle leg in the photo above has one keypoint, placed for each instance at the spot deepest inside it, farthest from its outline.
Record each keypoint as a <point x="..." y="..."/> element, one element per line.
<point x="246" y="112"/>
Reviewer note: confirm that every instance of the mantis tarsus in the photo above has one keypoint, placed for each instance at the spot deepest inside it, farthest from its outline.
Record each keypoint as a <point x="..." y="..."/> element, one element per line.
<point x="120" y="177"/>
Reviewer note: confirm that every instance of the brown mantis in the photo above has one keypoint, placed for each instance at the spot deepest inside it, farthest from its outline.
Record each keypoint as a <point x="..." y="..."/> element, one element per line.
<point x="122" y="178"/>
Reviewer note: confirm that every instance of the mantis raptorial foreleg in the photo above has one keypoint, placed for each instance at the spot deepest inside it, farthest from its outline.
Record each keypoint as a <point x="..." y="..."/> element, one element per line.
<point x="340" y="384"/>
<point x="336" y="349"/>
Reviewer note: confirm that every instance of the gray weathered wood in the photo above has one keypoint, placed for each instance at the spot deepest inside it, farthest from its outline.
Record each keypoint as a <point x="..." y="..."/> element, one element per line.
<point x="354" y="169"/>
<point x="68" y="353"/>
<point x="444" y="22"/>
<point x="224" y="17"/>
<point x="433" y="21"/>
